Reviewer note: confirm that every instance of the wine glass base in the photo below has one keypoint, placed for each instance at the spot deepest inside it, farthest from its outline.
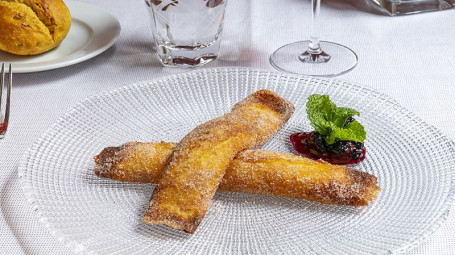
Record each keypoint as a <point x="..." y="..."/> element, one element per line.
<point x="293" y="58"/>
<point x="309" y="57"/>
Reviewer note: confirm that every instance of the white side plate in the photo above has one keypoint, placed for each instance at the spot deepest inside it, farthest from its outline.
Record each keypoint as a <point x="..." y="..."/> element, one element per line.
<point x="92" y="32"/>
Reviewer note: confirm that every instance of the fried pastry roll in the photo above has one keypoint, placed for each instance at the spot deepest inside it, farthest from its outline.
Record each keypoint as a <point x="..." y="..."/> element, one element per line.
<point x="252" y="171"/>
<point x="198" y="163"/>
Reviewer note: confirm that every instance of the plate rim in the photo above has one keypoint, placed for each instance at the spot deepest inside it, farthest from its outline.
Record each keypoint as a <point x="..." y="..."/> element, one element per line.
<point x="63" y="61"/>
<point x="75" y="246"/>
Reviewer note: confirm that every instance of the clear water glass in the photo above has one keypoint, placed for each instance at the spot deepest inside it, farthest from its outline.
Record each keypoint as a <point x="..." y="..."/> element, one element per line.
<point x="187" y="33"/>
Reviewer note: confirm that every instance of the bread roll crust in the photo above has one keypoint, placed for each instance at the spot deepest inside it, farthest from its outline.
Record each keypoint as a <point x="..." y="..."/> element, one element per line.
<point x="30" y="27"/>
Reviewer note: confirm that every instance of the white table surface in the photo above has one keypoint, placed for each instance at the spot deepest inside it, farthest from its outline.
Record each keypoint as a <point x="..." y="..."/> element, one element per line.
<point x="409" y="58"/>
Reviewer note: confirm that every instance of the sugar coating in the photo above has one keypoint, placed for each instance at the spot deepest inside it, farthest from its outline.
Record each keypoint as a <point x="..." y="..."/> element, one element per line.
<point x="284" y="174"/>
<point x="254" y="171"/>
<point x="134" y="162"/>
<point x="199" y="161"/>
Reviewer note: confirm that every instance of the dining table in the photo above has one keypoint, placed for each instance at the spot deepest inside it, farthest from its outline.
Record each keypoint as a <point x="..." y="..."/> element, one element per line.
<point x="409" y="58"/>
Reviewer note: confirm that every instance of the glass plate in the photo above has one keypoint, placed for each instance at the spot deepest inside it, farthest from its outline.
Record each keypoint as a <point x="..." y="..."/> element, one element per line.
<point x="413" y="161"/>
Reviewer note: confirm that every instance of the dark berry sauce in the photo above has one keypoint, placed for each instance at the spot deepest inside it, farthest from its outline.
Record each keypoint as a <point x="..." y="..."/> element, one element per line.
<point x="313" y="145"/>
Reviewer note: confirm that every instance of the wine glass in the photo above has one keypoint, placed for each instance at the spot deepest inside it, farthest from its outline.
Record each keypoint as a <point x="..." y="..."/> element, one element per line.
<point x="314" y="57"/>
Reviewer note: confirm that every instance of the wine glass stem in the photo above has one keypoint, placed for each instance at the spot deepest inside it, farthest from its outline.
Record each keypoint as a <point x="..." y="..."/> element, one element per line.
<point x="314" y="47"/>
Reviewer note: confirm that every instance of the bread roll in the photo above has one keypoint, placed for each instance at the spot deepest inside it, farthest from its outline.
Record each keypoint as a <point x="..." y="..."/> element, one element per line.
<point x="30" y="27"/>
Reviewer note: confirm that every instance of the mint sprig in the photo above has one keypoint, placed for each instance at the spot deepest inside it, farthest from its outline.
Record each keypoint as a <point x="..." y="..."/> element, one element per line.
<point x="329" y="120"/>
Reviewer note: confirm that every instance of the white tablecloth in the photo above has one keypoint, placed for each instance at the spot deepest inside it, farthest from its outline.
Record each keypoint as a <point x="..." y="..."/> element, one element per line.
<point x="409" y="58"/>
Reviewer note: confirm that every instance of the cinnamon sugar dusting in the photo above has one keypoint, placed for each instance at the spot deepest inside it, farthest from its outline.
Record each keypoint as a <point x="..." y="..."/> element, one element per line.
<point x="252" y="171"/>
<point x="200" y="160"/>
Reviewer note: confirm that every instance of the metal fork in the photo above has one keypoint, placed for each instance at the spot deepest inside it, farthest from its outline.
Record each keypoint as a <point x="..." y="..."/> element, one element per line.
<point x="4" y="117"/>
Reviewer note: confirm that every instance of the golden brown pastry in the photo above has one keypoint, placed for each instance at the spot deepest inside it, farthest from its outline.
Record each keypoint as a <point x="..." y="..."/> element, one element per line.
<point x="199" y="161"/>
<point x="252" y="171"/>
<point x="30" y="27"/>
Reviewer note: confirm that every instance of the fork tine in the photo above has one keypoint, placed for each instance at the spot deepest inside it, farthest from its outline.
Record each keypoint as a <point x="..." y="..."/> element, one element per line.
<point x="7" y="85"/>
<point x="8" y="93"/>
<point x="2" y="83"/>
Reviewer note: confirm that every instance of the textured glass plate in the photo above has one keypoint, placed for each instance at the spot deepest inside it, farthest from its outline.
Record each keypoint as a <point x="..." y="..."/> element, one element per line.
<point x="413" y="161"/>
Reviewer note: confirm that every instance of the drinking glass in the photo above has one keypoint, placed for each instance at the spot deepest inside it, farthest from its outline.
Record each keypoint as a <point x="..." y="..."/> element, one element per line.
<point x="314" y="57"/>
<point x="187" y="33"/>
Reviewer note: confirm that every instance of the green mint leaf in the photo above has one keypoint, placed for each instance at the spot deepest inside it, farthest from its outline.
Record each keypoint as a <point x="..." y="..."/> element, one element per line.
<point x="328" y="119"/>
<point x="342" y="114"/>
<point x="354" y="131"/>
<point x="319" y="111"/>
